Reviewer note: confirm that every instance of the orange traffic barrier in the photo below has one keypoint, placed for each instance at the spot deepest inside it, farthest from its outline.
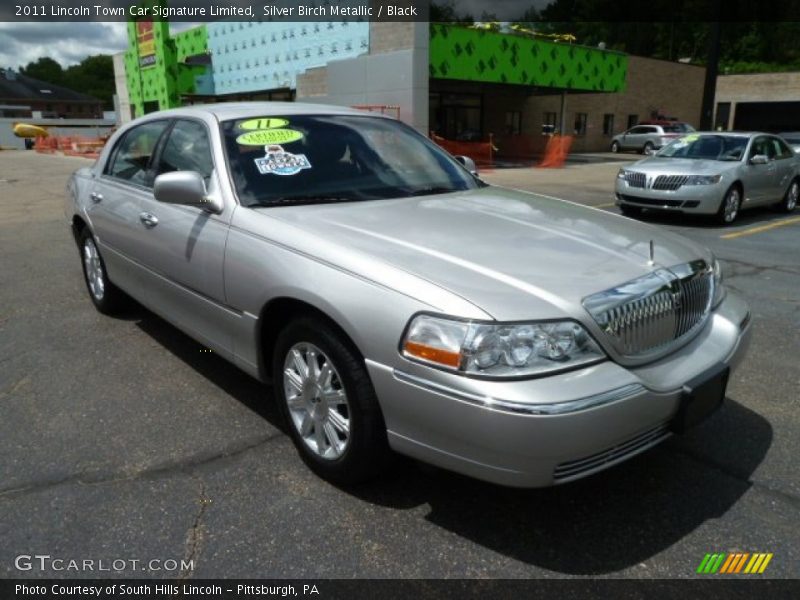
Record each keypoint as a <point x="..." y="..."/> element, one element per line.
<point x="556" y="151"/>
<point x="481" y="152"/>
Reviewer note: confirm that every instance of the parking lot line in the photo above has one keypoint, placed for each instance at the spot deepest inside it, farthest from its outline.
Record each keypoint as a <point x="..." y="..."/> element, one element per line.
<point x="606" y="205"/>
<point x="760" y="228"/>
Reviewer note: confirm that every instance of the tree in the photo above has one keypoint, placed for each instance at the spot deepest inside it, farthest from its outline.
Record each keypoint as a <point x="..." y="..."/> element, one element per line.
<point x="45" y="69"/>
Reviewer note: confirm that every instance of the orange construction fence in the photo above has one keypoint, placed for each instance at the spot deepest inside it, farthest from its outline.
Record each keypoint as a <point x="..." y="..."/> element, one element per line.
<point x="69" y="145"/>
<point x="556" y="151"/>
<point x="481" y="152"/>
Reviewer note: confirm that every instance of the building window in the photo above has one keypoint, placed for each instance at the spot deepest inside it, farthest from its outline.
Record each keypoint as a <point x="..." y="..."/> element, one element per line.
<point x="549" y="120"/>
<point x="580" y="123"/>
<point x="608" y="124"/>
<point x="513" y="122"/>
<point x="633" y="120"/>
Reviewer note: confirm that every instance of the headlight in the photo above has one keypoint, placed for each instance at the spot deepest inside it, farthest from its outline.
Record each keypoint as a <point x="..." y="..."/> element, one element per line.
<point x="499" y="349"/>
<point x="703" y="179"/>
<point x="622" y="173"/>
<point x="719" y="288"/>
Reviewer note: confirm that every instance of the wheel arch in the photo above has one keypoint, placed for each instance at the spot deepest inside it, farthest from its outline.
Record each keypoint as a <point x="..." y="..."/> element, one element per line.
<point x="274" y="316"/>
<point x="78" y="226"/>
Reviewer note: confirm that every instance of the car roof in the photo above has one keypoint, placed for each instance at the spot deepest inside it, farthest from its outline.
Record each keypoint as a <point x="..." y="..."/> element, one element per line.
<point x="225" y="111"/>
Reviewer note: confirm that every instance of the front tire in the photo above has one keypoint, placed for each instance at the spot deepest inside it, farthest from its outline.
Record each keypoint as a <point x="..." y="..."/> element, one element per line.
<point x="325" y="394"/>
<point x="730" y="206"/>
<point x="789" y="202"/>
<point x="106" y="297"/>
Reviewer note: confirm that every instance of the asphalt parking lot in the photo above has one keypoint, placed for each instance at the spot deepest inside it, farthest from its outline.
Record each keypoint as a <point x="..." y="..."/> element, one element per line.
<point x="121" y="439"/>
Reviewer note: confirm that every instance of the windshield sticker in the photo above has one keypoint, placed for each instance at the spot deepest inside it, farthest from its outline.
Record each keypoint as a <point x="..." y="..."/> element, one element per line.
<point x="279" y="162"/>
<point x="266" y="137"/>
<point x="690" y="138"/>
<point x="263" y="123"/>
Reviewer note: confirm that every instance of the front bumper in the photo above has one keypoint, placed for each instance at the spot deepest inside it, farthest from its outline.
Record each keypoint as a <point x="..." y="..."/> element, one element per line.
<point x="541" y="432"/>
<point x="698" y="199"/>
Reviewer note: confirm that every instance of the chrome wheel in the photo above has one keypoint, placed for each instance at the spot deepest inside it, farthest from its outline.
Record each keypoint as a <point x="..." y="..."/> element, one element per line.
<point x="93" y="269"/>
<point x="731" y="207"/>
<point x="316" y="400"/>
<point x="791" y="196"/>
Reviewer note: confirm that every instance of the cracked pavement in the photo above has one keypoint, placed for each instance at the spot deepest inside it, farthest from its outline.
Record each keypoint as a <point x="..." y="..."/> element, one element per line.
<point x="119" y="438"/>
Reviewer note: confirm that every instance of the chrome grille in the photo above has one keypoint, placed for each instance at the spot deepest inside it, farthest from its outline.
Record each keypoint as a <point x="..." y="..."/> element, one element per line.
<point x="669" y="182"/>
<point x="573" y="469"/>
<point x="642" y="317"/>
<point x="635" y="179"/>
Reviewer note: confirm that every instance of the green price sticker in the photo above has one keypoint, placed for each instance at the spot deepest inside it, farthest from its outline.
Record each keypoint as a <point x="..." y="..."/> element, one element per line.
<point x="265" y="137"/>
<point x="263" y="123"/>
<point x="690" y="138"/>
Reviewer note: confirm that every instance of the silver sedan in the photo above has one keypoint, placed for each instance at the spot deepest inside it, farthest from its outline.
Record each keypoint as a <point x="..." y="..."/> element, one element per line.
<point x="713" y="174"/>
<point x="398" y="303"/>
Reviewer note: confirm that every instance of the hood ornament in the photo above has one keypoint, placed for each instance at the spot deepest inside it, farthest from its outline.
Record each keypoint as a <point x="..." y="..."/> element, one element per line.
<point x="652" y="261"/>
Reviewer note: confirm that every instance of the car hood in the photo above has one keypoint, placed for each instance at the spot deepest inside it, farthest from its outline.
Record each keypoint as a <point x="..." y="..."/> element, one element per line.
<point x="683" y="166"/>
<point x="513" y="254"/>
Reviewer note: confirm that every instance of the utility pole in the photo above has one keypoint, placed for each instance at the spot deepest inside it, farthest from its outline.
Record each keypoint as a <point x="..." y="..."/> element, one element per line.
<point x="712" y="67"/>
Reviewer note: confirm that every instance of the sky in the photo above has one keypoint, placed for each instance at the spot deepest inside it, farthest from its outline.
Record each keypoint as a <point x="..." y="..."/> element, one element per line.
<point x="70" y="42"/>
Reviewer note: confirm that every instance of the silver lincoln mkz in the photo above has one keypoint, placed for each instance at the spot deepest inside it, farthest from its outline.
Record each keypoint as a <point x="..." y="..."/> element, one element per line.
<point x="397" y="302"/>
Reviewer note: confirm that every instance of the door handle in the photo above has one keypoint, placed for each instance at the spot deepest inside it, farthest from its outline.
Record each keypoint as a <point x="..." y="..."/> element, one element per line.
<point x="148" y="219"/>
<point x="96" y="197"/>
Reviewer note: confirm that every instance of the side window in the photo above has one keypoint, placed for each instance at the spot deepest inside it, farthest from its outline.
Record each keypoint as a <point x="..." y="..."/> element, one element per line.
<point x="132" y="157"/>
<point x="187" y="149"/>
<point x="760" y="146"/>
<point x="636" y="130"/>
<point x="781" y="149"/>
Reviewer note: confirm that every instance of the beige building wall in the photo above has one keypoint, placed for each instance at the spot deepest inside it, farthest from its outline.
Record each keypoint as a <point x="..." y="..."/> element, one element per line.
<point x="653" y="87"/>
<point x="123" y="102"/>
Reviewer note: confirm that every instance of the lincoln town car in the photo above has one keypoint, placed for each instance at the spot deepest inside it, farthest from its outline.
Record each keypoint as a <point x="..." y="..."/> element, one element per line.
<point x="394" y="303"/>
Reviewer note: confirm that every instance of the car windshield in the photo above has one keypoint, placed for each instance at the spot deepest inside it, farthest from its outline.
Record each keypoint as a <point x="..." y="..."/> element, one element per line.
<point x="313" y="159"/>
<point x="706" y="147"/>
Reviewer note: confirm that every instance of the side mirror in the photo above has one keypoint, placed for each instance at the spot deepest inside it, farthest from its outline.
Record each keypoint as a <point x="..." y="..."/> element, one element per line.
<point x="759" y="159"/>
<point x="184" y="187"/>
<point x="468" y="163"/>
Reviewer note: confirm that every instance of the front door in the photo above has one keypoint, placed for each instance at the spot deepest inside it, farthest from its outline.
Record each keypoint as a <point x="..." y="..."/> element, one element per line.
<point x="183" y="247"/>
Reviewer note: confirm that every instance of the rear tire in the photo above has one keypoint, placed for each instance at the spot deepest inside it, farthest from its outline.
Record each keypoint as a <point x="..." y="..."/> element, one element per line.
<point x="326" y="396"/>
<point x="730" y="206"/>
<point x="615" y="147"/>
<point x="789" y="202"/>
<point x="106" y="297"/>
<point x="648" y="148"/>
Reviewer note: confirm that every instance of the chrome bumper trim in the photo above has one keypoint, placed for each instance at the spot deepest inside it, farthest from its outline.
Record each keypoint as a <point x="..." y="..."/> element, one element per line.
<point x="557" y="408"/>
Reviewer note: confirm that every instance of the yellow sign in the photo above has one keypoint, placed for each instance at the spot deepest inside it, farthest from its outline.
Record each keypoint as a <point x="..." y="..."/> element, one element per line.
<point x="264" y="137"/>
<point x="263" y="123"/>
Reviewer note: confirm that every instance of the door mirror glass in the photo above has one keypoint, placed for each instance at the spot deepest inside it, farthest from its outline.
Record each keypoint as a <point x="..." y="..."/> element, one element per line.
<point x="182" y="187"/>
<point x="759" y="159"/>
<point x="468" y="163"/>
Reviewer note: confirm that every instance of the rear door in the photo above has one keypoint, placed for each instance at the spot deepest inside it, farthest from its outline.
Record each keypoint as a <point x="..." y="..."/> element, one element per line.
<point x="784" y="167"/>
<point x="116" y="203"/>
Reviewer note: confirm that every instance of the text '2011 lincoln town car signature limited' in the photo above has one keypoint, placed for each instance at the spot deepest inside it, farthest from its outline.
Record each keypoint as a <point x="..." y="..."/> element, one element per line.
<point x="397" y="302"/>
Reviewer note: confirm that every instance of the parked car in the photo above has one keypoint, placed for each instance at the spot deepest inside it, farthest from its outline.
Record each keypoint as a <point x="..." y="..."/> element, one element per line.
<point x="649" y="137"/>
<point x="713" y="174"/>
<point x="395" y="301"/>
<point x="670" y="125"/>
<point x="792" y="138"/>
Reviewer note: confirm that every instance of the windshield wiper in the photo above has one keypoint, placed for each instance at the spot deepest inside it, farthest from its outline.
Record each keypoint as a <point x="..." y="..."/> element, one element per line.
<point x="308" y="199"/>
<point x="429" y="191"/>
